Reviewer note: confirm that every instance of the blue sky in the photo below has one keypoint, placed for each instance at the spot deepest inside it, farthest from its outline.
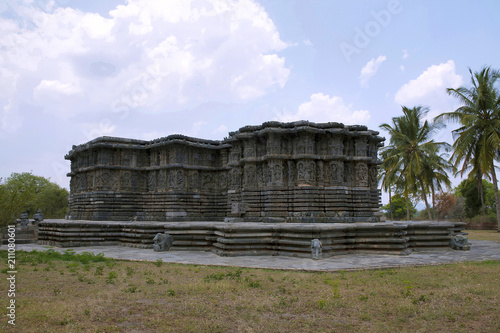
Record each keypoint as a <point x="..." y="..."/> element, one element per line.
<point x="73" y="70"/>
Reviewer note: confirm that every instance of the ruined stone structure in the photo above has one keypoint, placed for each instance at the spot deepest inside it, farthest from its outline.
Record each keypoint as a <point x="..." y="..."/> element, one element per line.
<point x="276" y="172"/>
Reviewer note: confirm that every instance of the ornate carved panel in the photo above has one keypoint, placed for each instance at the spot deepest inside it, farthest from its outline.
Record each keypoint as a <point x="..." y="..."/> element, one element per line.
<point x="306" y="172"/>
<point x="275" y="173"/>
<point x="361" y="174"/>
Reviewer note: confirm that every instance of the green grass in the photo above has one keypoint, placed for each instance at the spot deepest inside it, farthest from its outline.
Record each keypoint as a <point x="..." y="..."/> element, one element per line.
<point x="88" y="293"/>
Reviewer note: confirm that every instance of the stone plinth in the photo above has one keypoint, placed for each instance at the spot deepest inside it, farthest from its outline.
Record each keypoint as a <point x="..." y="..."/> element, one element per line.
<point x="238" y="239"/>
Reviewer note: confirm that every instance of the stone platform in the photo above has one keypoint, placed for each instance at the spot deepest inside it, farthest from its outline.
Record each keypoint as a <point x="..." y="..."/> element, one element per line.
<point x="244" y="239"/>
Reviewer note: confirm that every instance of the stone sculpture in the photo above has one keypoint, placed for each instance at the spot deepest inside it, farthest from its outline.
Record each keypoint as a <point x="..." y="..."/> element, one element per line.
<point x="24" y="220"/>
<point x="460" y="242"/>
<point x="162" y="242"/>
<point x="316" y="247"/>
<point x="38" y="217"/>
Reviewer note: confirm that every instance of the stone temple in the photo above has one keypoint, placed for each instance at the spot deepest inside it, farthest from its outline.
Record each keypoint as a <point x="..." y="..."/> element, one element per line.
<point x="273" y="189"/>
<point x="276" y="172"/>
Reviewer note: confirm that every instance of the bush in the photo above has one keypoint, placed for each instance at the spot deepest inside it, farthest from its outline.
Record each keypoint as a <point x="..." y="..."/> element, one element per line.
<point x="476" y="223"/>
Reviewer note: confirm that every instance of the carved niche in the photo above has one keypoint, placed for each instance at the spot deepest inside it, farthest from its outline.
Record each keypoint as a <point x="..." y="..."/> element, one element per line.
<point x="125" y="180"/>
<point x="275" y="173"/>
<point x="222" y="181"/>
<point x="249" y="179"/>
<point x="336" y="173"/>
<point x="306" y="172"/>
<point x="106" y="179"/>
<point x="262" y="175"/>
<point x="361" y="174"/>
<point x="176" y="179"/>
<point x="194" y="180"/>
<point x="208" y="182"/>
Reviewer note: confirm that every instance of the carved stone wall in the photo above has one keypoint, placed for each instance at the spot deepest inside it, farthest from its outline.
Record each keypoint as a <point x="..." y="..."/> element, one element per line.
<point x="275" y="172"/>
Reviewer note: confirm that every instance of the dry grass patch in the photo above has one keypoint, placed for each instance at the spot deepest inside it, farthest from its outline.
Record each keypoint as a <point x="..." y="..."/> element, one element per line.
<point x="489" y="235"/>
<point x="83" y="294"/>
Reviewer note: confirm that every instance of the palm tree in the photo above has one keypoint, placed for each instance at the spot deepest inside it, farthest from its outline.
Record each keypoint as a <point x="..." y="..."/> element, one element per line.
<point x="477" y="140"/>
<point x="412" y="155"/>
<point x="387" y="179"/>
<point x="436" y="173"/>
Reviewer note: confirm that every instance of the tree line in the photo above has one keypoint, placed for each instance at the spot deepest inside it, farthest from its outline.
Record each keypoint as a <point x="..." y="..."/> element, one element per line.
<point x="415" y="166"/>
<point x="25" y="192"/>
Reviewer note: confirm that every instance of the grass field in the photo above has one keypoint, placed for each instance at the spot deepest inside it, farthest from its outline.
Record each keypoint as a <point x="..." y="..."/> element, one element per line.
<point x="88" y="293"/>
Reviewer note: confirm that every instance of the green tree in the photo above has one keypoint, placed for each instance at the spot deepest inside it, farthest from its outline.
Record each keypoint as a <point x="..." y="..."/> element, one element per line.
<point x="398" y="208"/>
<point x="412" y="156"/>
<point x="468" y="190"/>
<point x="25" y="192"/>
<point x="477" y="140"/>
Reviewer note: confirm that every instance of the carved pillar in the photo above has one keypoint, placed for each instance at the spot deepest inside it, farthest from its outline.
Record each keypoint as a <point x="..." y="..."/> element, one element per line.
<point x="320" y="173"/>
<point x="374" y="177"/>
<point x="291" y="173"/>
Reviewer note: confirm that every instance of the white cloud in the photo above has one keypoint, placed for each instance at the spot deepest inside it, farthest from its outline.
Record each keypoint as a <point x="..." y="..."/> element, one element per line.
<point x="370" y="69"/>
<point x="323" y="108"/>
<point x="222" y="130"/>
<point x="147" y="55"/>
<point x="405" y="54"/>
<point x="433" y="80"/>
<point x="429" y="89"/>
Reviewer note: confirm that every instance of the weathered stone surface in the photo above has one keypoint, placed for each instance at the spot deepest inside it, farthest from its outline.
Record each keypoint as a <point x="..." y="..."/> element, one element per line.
<point x="162" y="242"/>
<point x="460" y="242"/>
<point x="276" y="172"/>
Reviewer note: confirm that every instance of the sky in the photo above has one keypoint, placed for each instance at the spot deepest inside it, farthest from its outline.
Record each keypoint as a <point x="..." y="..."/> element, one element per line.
<point x="74" y="70"/>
